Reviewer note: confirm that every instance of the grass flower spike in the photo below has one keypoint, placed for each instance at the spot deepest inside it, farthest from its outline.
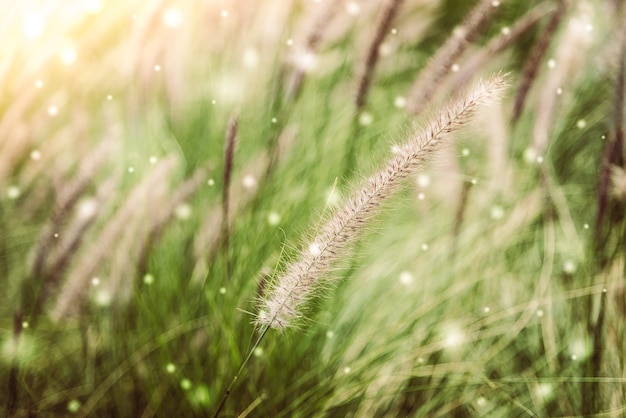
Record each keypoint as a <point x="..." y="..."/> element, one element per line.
<point x="153" y="156"/>
<point x="283" y="306"/>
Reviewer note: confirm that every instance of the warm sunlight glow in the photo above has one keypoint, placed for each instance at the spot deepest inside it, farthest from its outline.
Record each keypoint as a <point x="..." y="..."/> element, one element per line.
<point x="68" y="56"/>
<point x="33" y="25"/>
<point x="93" y="6"/>
<point x="233" y="208"/>
<point x="172" y="18"/>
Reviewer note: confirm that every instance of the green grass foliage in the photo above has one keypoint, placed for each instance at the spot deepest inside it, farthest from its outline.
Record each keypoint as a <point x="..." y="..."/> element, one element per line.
<point x="490" y="285"/>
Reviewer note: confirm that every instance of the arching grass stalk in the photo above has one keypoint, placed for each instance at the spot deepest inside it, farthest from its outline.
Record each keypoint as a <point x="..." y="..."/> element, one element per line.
<point x="283" y="304"/>
<point x="244" y="363"/>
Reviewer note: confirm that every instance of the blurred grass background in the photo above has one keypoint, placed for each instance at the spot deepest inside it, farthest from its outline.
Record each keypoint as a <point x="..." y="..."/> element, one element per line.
<point x="492" y="286"/>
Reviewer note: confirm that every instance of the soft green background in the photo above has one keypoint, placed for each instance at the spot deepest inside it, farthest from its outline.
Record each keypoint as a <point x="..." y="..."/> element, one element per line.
<point x="519" y="313"/>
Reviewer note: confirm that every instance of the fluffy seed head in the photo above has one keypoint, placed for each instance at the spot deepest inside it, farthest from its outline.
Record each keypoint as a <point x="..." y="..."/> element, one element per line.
<point x="283" y="304"/>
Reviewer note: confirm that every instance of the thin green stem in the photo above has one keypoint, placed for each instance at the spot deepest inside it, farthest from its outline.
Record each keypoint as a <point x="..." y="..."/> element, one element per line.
<point x="240" y="370"/>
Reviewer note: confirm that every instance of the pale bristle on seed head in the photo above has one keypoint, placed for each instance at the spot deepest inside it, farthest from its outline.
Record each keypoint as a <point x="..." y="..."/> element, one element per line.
<point x="283" y="304"/>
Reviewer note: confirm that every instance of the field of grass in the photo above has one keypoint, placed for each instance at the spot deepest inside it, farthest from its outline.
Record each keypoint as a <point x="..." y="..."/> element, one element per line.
<point x="170" y="172"/>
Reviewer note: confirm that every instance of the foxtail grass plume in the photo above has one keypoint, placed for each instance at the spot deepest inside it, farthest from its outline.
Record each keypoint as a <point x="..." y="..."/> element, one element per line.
<point x="72" y="294"/>
<point x="282" y="306"/>
<point x="508" y="36"/>
<point x="311" y="42"/>
<point x="430" y="78"/>
<point x="368" y="65"/>
<point x="613" y="157"/>
<point x="229" y="158"/>
<point x="532" y="65"/>
<point x="243" y="192"/>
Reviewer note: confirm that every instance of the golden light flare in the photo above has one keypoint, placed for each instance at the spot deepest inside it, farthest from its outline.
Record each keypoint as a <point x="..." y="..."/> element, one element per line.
<point x="89" y="49"/>
<point x="50" y="18"/>
<point x="69" y="56"/>
<point x="93" y="6"/>
<point x="172" y="17"/>
<point x="33" y="25"/>
<point x="46" y="29"/>
<point x="50" y="36"/>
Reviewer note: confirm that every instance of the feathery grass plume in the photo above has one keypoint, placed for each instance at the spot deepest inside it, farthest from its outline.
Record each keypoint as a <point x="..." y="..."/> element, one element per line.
<point x="574" y="42"/>
<point x="75" y="286"/>
<point x="283" y="304"/>
<point x="497" y="44"/>
<point x="440" y="64"/>
<point x="67" y="197"/>
<point x="532" y="64"/>
<point x="119" y="265"/>
<point x="50" y="253"/>
<point x="312" y="41"/>
<point x="183" y="192"/>
<point x="365" y="72"/>
<point x="614" y="149"/>
<point x="368" y="65"/>
<point x="69" y="243"/>
<point x="86" y="213"/>
<point x="245" y="189"/>
<point x="229" y="157"/>
<point x="300" y="62"/>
